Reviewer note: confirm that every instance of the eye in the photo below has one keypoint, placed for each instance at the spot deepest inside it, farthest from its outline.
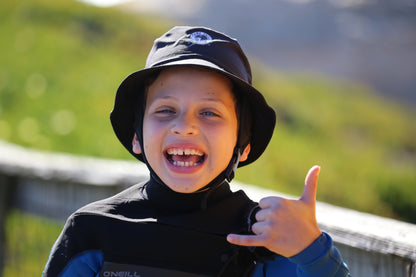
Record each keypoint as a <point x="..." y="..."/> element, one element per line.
<point x="209" y="113"/>
<point x="164" y="112"/>
<point x="167" y="111"/>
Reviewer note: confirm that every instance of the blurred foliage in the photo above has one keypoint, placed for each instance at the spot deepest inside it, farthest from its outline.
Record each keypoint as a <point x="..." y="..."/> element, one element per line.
<point x="29" y="241"/>
<point x="365" y="145"/>
<point x="61" y="63"/>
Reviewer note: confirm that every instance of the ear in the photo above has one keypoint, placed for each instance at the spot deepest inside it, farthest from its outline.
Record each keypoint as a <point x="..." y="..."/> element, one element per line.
<point x="136" y="145"/>
<point x="245" y="153"/>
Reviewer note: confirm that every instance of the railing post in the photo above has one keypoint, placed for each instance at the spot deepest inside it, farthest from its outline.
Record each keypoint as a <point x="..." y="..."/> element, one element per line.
<point x="6" y="196"/>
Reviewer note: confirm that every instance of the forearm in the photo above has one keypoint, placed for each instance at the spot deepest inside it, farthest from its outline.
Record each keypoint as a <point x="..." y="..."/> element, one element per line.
<point x="321" y="258"/>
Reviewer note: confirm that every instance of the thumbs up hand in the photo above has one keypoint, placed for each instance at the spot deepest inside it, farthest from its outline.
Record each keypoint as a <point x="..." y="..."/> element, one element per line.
<point x="285" y="226"/>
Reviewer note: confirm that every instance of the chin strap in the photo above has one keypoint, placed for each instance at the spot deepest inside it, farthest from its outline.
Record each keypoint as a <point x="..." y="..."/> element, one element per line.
<point x="232" y="166"/>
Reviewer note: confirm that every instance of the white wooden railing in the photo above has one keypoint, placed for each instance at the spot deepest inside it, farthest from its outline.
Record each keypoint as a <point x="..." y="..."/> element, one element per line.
<point x="54" y="185"/>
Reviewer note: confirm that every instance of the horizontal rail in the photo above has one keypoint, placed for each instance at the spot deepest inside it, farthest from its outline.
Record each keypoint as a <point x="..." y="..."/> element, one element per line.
<point x="56" y="184"/>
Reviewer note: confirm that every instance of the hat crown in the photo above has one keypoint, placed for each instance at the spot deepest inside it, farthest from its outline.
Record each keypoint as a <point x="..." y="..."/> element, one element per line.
<point x="185" y="43"/>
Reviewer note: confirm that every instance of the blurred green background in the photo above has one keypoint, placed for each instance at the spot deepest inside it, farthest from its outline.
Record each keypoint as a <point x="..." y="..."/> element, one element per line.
<point x="62" y="61"/>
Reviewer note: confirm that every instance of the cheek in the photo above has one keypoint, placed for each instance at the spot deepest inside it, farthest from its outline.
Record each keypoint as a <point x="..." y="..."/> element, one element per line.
<point x="151" y="136"/>
<point x="151" y="129"/>
<point x="225" y="141"/>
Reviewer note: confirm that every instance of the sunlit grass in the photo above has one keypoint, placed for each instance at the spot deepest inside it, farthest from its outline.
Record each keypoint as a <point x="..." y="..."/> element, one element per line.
<point x="63" y="61"/>
<point x="29" y="240"/>
<point x="366" y="145"/>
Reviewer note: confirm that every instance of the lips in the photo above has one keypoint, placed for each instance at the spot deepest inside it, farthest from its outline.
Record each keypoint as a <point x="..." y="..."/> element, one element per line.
<point x="184" y="157"/>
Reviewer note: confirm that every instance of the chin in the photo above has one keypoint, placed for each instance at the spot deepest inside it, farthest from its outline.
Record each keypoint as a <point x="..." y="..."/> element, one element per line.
<point x="183" y="187"/>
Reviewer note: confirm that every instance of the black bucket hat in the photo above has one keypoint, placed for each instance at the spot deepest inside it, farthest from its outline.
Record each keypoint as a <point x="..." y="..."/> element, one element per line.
<point x="195" y="46"/>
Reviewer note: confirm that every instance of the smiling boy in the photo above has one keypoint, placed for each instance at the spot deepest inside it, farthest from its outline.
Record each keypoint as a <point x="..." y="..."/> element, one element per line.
<point x="193" y="117"/>
<point x="189" y="127"/>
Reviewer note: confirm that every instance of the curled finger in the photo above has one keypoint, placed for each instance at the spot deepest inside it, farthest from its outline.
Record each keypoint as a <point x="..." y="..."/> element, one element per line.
<point x="260" y="228"/>
<point x="262" y="215"/>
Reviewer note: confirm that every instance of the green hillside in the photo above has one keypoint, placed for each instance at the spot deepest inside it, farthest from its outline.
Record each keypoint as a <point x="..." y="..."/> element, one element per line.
<point x="61" y="63"/>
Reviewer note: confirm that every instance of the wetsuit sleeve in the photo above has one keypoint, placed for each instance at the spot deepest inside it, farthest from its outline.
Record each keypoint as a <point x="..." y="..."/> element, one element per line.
<point x="70" y="257"/>
<point x="321" y="259"/>
<point x="86" y="264"/>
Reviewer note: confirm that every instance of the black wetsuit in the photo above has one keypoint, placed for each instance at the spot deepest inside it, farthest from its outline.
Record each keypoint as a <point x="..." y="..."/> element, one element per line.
<point x="150" y="225"/>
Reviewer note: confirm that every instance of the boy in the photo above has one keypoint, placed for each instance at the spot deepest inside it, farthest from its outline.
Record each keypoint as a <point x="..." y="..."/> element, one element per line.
<point x="193" y="117"/>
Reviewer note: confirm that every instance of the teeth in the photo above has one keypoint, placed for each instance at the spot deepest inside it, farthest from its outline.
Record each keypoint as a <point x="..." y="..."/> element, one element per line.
<point x="187" y="151"/>
<point x="184" y="164"/>
<point x="184" y="152"/>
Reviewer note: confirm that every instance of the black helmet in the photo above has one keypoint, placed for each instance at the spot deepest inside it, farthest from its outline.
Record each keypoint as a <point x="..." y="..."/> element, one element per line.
<point x="195" y="46"/>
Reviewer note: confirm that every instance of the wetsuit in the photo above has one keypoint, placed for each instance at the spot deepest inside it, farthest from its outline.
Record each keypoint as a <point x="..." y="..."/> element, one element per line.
<point x="150" y="230"/>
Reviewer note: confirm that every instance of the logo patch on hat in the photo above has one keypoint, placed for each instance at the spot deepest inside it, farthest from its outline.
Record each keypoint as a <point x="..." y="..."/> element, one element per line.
<point x="200" y="38"/>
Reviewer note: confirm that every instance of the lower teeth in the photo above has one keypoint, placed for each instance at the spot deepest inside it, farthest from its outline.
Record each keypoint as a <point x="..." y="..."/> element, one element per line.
<point x="186" y="164"/>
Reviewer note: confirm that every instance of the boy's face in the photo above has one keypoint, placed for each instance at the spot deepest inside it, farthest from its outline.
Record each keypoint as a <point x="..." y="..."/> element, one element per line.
<point x="189" y="127"/>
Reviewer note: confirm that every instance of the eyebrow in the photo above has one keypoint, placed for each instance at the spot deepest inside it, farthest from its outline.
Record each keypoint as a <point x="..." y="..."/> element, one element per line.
<point x="211" y="99"/>
<point x="167" y="97"/>
<point x="215" y="101"/>
<point x="164" y="97"/>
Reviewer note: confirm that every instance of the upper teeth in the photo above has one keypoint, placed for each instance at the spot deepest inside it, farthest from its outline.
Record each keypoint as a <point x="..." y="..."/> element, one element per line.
<point x="186" y="151"/>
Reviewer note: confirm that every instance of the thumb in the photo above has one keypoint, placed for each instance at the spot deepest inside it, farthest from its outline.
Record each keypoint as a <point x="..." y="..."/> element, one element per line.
<point x="311" y="185"/>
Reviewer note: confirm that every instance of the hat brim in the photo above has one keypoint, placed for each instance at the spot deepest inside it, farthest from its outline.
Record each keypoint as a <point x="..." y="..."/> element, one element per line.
<point x="123" y="114"/>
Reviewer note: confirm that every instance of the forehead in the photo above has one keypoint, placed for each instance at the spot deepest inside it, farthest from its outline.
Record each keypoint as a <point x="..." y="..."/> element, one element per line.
<point x="180" y="80"/>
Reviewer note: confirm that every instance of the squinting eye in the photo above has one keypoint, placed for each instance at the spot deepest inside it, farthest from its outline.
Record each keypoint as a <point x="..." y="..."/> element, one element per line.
<point x="165" y="112"/>
<point x="209" y="113"/>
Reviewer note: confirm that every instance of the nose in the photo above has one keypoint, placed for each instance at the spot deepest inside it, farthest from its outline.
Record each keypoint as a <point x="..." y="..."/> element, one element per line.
<point x="185" y="125"/>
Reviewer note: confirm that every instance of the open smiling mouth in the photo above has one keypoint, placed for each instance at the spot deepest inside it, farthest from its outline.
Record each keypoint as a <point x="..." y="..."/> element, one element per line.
<point x="184" y="157"/>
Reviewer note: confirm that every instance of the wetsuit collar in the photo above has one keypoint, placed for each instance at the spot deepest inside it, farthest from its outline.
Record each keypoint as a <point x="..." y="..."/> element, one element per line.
<point x="170" y="201"/>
